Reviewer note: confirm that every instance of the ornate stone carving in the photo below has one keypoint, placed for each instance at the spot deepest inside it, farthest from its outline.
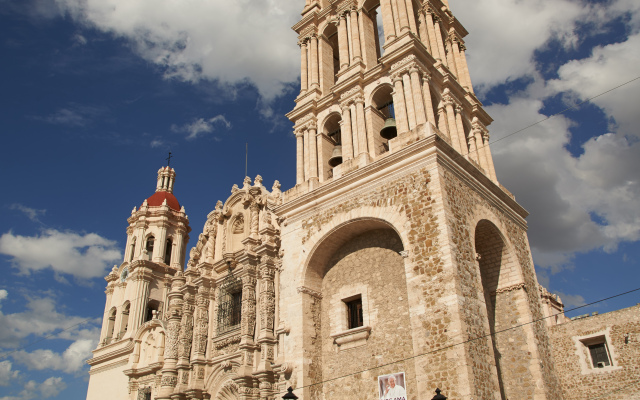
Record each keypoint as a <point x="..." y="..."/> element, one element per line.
<point x="403" y="62"/>
<point x="350" y="92"/>
<point x="310" y="292"/>
<point x="226" y="346"/>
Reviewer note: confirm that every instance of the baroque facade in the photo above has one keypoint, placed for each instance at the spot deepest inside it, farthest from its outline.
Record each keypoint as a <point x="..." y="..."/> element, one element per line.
<point x="396" y="252"/>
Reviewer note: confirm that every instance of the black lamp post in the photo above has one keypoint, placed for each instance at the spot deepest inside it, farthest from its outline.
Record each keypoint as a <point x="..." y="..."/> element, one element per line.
<point x="439" y="396"/>
<point x="289" y="394"/>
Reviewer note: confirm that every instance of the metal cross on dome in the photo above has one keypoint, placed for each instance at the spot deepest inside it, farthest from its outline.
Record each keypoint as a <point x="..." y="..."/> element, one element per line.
<point x="169" y="159"/>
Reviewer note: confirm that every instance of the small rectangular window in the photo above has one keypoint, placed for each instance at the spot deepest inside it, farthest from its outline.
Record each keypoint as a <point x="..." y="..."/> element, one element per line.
<point x="599" y="355"/>
<point x="354" y="313"/>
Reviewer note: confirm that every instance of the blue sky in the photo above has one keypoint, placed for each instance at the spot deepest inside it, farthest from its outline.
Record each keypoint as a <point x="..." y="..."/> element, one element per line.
<point x="94" y="93"/>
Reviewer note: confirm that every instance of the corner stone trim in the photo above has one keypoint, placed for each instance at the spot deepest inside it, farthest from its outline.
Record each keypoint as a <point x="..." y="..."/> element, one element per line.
<point x="511" y="288"/>
<point x="310" y="292"/>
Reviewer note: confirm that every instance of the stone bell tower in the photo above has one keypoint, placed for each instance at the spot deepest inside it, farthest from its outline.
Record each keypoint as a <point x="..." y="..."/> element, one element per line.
<point x="397" y="216"/>
<point x="137" y="289"/>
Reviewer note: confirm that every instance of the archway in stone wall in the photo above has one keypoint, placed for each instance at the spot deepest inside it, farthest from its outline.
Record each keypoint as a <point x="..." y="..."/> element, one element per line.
<point x="357" y="317"/>
<point x="500" y="276"/>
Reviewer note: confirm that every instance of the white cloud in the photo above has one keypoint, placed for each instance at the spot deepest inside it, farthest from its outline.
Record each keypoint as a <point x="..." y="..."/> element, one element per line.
<point x="502" y="41"/>
<point x="70" y="361"/>
<point x="231" y="42"/>
<point x="200" y="126"/>
<point x="3" y="294"/>
<point x="75" y="115"/>
<point x="41" y="317"/>
<point x="31" y="213"/>
<point x="571" y="300"/>
<point x="51" y="387"/>
<point x="82" y="255"/>
<point x="6" y="373"/>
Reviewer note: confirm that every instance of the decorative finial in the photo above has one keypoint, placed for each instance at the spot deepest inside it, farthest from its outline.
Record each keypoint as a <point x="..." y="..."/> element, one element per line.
<point x="290" y="394"/>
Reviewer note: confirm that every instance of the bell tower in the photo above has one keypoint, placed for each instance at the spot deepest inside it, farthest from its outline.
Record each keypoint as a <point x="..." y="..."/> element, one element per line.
<point x="137" y="289"/>
<point x="397" y="216"/>
<point x="377" y="75"/>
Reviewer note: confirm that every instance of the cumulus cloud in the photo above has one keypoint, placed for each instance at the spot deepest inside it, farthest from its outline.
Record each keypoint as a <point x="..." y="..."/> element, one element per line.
<point x="230" y="42"/>
<point x="83" y="256"/>
<point x="51" y="387"/>
<point x="31" y="213"/>
<point x="70" y="361"/>
<point x="42" y="318"/>
<point x="571" y="300"/>
<point x="3" y="294"/>
<point x="7" y="374"/>
<point x="201" y="126"/>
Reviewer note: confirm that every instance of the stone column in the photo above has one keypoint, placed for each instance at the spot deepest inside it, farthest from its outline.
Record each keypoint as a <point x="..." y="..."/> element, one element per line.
<point x="185" y="339"/>
<point x="254" y="209"/>
<point x="315" y="83"/>
<point x="399" y="105"/>
<point x="426" y="94"/>
<point x="362" y="130"/>
<point x="473" y="148"/>
<point x="442" y="122"/>
<point x="487" y="152"/>
<point x="313" y="152"/>
<point x="439" y="41"/>
<point x="354" y="130"/>
<point x="451" y="60"/>
<point x="387" y="21"/>
<point x="422" y="30"/>
<point x="305" y="150"/>
<point x="461" y="135"/>
<point x="139" y="306"/>
<point x="482" y="157"/>
<point x="411" y="16"/>
<point x="355" y="37"/>
<point x="451" y="122"/>
<point x="200" y="335"/>
<point x="176" y="252"/>
<point x="418" y="103"/>
<point x="463" y="65"/>
<point x="347" y="141"/>
<point x="299" y="158"/>
<point x="161" y="243"/>
<point x="343" y="44"/>
<point x="303" y="65"/>
<point x="248" y="314"/>
<point x="402" y="16"/>
<point x="169" y="372"/>
<point x="408" y="98"/>
<point x="433" y="44"/>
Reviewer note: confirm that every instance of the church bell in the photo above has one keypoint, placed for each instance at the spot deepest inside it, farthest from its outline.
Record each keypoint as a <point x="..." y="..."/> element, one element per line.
<point x="336" y="156"/>
<point x="389" y="130"/>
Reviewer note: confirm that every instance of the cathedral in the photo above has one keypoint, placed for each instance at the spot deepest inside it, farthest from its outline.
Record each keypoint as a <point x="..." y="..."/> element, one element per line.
<point x="396" y="265"/>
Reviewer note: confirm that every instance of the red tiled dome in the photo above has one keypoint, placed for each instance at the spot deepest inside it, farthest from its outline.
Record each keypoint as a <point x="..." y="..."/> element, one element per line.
<point x="158" y="198"/>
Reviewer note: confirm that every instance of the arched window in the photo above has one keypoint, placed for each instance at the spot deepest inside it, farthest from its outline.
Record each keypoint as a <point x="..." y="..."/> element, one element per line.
<point x="111" y="324"/>
<point x="152" y="305"/>
<point x="132" y="249"/>
<point x="167" y="251"/>
<point x="124" y="324"/>
<point x="149" y="246"/>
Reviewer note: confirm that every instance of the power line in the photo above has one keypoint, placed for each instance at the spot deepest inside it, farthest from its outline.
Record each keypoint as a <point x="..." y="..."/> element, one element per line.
<point x="467" y="341"/>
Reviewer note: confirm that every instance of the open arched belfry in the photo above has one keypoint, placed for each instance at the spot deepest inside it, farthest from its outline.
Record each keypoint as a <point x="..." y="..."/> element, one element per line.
<point x="396" y="252"/>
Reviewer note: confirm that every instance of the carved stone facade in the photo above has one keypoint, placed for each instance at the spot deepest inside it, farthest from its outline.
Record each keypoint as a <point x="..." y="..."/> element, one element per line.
<point x="414" y="231"/>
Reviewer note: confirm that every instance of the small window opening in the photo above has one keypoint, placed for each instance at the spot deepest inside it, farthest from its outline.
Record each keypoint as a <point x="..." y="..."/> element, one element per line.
<point x="167" y="251"/>
<point x="149" y="246"/>
<point x="354" y="313"/>
<point x="599" y="355"/>
<point x="152" y="308"/>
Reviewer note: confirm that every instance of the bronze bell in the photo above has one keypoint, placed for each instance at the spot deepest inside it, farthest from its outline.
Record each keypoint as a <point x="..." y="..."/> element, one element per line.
<point x="389" y="130"/>
<point x="336" y="156"/>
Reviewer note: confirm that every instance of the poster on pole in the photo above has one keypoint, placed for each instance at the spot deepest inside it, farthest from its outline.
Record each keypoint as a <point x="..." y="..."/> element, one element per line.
<point x="392" y="386"/>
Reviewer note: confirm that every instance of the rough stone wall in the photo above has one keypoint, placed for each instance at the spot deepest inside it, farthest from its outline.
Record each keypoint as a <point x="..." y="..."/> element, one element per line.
<point x="462" y="204"/>
<point x="580" y="380"/>
<point x="429" y="280"/>
<point x="370" y="262"/>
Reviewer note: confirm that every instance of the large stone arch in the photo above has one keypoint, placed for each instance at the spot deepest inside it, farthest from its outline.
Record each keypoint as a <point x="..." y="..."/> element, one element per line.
<point x="220" y="383"/>
<point x="350" y="224"/>
<point x="503" y="290"/>
<point x="358" y="259"/>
